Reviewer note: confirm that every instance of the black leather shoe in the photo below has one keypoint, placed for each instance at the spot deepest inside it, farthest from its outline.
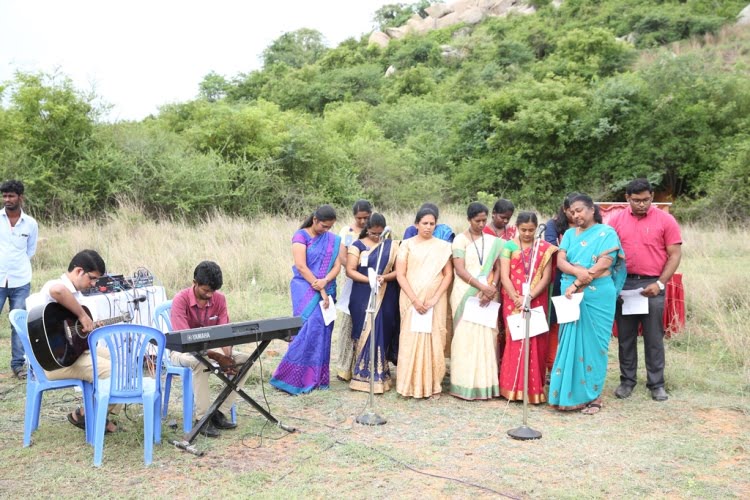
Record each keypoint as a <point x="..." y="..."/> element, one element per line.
<point x="221" y="422"/>
<point x="659" y="394"/>
<point x="623" y="391"/>
<point x="209" y="430"/>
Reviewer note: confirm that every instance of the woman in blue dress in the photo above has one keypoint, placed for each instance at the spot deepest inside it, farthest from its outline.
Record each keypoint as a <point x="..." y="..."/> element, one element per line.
<point x="374" y="252"/>
<point x="305" y="365"/>
<point x="591" y="260"/>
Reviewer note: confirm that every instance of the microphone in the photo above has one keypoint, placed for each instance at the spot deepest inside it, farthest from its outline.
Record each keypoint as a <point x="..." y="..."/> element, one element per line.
<point x="386" y="232"/>
<point x="138" y="299"/>
<point x="540" y="230"/>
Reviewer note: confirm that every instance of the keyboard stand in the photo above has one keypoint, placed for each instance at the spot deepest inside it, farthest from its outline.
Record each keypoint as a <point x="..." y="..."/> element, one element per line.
<point x="229" y="386"/>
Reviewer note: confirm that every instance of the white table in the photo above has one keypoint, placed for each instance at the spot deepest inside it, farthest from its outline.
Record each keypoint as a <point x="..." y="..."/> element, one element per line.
<point x="139" y="302"/>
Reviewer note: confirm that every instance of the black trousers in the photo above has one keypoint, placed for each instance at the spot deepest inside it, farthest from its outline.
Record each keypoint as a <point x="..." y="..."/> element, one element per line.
<point x="653" y="338"/>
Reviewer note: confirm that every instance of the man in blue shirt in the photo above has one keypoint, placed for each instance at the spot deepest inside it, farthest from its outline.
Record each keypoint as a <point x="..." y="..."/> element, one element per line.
<point x="18" y="235"/>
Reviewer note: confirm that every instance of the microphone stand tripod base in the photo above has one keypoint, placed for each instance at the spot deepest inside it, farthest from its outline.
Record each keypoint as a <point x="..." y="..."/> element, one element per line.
<point x="371" y="418"/>
<point x="524" y="433"/>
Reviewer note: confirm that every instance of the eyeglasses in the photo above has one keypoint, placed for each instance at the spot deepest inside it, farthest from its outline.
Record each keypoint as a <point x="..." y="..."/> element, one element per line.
<point x="375" y="235"/>
<point x="640" y="202"/>
<point x="91" y="277"/>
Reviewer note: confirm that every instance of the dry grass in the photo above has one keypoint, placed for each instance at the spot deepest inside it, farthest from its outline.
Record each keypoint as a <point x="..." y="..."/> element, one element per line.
<point x="728" y="49"/>
<point x="695" y="445"/>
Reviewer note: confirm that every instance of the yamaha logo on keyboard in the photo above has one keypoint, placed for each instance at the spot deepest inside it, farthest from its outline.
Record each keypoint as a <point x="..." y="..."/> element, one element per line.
<point x="198" y="336"/>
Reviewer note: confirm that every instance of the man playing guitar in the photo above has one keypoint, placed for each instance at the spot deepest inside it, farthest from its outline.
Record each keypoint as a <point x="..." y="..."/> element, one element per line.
<point x="84" y="270"/>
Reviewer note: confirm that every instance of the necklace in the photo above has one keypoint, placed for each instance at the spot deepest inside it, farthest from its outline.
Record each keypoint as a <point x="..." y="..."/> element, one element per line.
<point x="526" y="267"/>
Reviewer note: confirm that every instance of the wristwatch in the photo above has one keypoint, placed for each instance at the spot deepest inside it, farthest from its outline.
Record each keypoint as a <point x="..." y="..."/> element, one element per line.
<point x="660" y="285"/>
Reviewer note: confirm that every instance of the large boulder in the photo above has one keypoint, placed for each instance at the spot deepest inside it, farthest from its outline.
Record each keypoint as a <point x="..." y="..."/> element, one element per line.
<point x="378" y="38"/>
<point x="421" y="26"/>
<point x="743" y="19"/>
<point x="397" y="32"/>
<point x="499" y="8"/>
<point x="448" y="20"/>
<point x="464" y="5"/>
<point x="471" y="16"/>
<point x="438" y="10"/>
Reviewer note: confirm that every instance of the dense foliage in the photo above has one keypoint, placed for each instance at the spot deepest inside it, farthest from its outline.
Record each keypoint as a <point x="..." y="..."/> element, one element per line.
<point x="527" y="107"/>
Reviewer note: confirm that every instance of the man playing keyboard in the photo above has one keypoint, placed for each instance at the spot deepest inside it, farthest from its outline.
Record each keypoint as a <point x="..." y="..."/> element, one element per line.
<point x="202" y="305"/>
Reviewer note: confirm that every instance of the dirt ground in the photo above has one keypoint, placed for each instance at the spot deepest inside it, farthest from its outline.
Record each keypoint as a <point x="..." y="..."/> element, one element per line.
<point x="694" y="445"/>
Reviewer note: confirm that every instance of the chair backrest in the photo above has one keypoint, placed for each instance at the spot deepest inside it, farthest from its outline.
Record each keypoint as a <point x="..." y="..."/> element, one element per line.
<point x="128" y="346"/>
<point x="161" y="316"/>
<point x="18" y="318"/>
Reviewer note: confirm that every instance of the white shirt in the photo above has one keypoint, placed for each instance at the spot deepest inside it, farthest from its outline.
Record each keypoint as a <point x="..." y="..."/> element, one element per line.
<point x="43" y="297"/>
<point x="17" y="246"/>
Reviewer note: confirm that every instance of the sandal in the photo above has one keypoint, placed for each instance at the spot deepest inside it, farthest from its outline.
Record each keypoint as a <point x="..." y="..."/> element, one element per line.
<point x="592" y="408"/>
<point x="106" y="430"/>
<point x="77" y="418"/>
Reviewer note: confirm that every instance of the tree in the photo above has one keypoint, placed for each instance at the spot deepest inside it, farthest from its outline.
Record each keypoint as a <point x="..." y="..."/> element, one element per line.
<point x="213" y="87"/>
<point x="393" y="15"/>
<point x="296" y="48"/>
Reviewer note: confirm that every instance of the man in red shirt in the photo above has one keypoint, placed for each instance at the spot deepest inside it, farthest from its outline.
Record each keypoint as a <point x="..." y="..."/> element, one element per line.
<point x="199" y="306"/>
<point x="652" y="243"/>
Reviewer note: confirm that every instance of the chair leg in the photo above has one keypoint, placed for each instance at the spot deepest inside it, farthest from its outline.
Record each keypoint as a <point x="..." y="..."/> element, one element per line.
<point x="36" y="409"/>
<point x="167" y="387"/>
<point x="88" y="408"/>
<point x="157" y="420"/>
<point x="100" y="424"/>
<point x="148" y="430"/>
<point x="33" y="404"/>
<point x="187" y="403"/>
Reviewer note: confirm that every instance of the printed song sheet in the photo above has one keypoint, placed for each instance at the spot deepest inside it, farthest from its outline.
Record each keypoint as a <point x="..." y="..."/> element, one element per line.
<point x="421" y="323"/>
<point x="486" y="316"/>
<point x="568" y="310"/>
<point x="329" y="314"/>
<point x="633" y="302"/>
<point x="517" y="324"/>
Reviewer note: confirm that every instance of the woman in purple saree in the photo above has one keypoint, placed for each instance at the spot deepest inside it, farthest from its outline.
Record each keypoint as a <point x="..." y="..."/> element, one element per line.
<point x="316" y="265"/>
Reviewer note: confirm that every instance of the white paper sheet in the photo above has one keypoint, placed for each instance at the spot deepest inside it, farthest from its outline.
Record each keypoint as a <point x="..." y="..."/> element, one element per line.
<point x="328" y="314"/>
<point x="421" y="323"/>
<point x="517" y="324"/>
<point x="372" y="277"/>
<point x="633" y="302"/>
<point x="486" y="316"/>
<point x="568" y="310"/>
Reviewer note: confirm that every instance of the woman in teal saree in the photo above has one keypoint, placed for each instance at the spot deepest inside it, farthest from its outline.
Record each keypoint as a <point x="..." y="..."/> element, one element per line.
<point x="592" y="262"/>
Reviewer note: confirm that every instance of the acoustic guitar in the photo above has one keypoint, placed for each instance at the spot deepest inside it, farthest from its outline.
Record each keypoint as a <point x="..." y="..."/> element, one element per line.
<point x="56" y="336"/>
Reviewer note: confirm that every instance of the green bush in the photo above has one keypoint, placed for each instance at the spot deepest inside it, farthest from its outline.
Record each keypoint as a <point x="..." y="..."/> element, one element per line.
<point x="728" y="197"/>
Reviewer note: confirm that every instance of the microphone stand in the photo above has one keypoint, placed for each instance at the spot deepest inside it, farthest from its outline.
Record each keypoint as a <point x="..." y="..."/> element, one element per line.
<point x="369" y="416"/>
<point x="524" y="432"/>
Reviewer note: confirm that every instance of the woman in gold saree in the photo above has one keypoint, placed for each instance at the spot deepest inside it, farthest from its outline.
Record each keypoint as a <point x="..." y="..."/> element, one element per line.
<point x="424" y="272"/>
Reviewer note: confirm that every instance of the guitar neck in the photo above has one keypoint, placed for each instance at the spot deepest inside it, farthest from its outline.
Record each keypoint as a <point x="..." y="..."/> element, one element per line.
<point x="104" y="322"/>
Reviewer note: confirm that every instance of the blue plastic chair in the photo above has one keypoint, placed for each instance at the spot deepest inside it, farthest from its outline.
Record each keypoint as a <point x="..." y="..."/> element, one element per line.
<point x="162" y="321"/>
<point x="128" y="346"/>
<point x="37" y="382"/>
